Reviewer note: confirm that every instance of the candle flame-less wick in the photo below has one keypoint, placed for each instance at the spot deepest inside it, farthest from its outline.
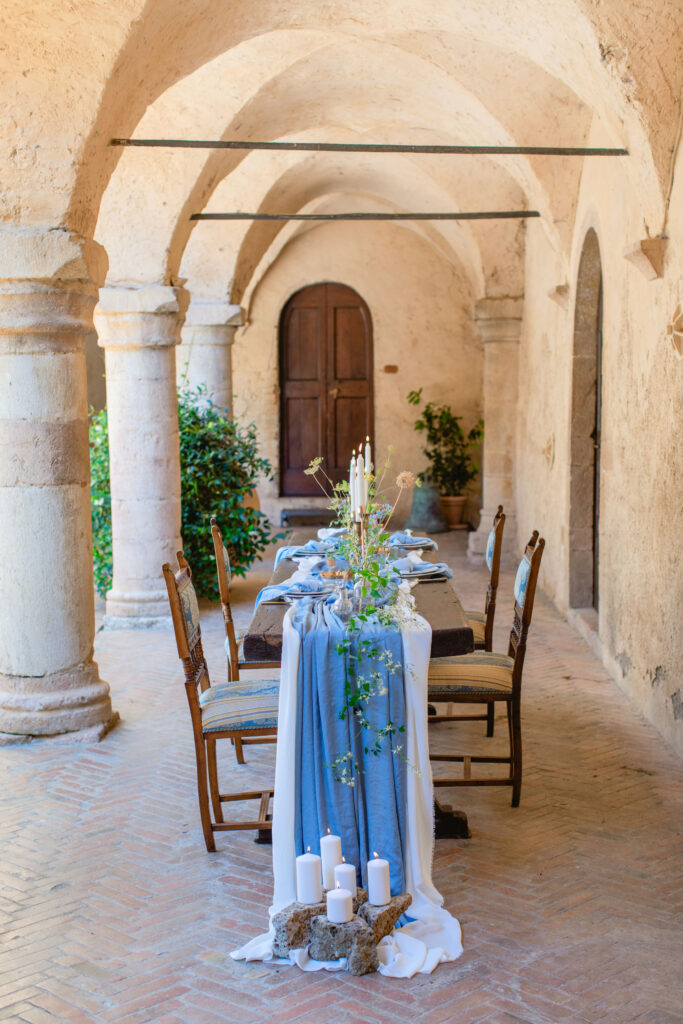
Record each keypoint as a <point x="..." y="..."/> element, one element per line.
<point x="328" y="831"/>
<point x="308" y="849"/>
<point x="375" y="854"/>
<point x="343" y="860"/>
<point x="338" y="885"/>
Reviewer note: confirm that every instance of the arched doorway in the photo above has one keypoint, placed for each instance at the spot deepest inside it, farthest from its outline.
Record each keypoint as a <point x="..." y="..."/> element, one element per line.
<point x="326" y="386"/>
<point x="584" y="508"/>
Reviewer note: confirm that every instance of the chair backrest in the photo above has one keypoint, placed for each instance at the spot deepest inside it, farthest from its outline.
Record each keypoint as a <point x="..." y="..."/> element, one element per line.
<point x="224" y="578"/>
<point x="494" y="546"/>
<point x="188" y="635"/>
<point x="525" y="592"/>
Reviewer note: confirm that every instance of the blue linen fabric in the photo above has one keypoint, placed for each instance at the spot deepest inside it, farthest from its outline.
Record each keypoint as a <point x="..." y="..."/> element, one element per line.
<point x="311" y="547"/>
<point x="309" y="585"/>
<point x="401" y="537"/>
<point x="521" y="580"/>
<point x="371" y="815"/>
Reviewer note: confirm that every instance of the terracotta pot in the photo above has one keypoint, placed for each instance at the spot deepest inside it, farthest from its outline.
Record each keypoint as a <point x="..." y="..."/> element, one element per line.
<point x="453" y="509"/>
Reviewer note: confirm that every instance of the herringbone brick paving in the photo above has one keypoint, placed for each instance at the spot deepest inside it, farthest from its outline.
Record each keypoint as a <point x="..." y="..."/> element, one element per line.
<point x="113" y="913"/>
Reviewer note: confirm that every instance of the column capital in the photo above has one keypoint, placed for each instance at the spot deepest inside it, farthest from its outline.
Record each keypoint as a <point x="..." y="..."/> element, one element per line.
<point x="147" y="316"/>
<point x="499" y="319"/>
<point x="35" y="257"/>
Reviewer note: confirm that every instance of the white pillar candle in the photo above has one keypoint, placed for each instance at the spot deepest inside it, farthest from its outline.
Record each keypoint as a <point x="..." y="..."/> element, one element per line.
<point x="345" y="877"/>
<point x="308" y="878"/>
<point x="379" y="883"/>
<point x="339" y="906"/>
<point x="330" y="855"/>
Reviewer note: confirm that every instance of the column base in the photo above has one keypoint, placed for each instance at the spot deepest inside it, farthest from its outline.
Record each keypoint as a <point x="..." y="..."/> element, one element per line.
<point x="74" y="700"/>
<point x="137" y="609"/>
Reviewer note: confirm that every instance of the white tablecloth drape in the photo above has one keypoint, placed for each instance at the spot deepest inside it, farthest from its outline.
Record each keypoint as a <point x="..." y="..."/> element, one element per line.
<point x="433" y="936"/>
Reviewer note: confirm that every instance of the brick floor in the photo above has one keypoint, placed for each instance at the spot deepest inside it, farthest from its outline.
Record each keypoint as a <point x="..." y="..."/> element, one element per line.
<point x="571" y="906"/>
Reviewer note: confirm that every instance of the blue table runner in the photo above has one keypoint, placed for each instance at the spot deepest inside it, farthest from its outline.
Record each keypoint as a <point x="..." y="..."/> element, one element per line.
<point x="371" y="815"/>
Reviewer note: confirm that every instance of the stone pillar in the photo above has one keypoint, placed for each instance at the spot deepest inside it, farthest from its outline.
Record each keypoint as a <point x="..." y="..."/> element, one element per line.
<point x="49" y="682"/>
<point x="205" y="355"/>
<point x="139" y="329"/>
<point x="499" y="323"/>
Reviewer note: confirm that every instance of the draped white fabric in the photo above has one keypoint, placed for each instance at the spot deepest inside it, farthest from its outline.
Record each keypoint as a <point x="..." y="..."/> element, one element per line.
<point x="433" y="936"/>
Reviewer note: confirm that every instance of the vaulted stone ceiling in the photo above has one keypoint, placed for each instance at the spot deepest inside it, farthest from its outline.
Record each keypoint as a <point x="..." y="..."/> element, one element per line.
<point x="532" y="72"/>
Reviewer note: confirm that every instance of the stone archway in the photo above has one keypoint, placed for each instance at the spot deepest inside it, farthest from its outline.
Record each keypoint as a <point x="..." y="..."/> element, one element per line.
<point x="584" y="495"/>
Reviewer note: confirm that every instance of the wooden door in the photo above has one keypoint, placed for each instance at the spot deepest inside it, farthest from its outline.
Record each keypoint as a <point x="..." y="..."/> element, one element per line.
<point x="326" y="393"/>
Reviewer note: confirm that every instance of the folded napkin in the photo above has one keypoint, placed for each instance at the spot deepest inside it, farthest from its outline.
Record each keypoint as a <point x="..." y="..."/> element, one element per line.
<point x="329" y="532"/>
<point x="294" y="588"/>
<point x="402" y="537"/>
<point x="311" y="547"/>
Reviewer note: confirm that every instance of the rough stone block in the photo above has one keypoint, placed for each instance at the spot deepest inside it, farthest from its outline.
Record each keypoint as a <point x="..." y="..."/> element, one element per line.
<point x="293" y="926"/>
<point x="353" y="940"/>
<point x="382" y="919"/>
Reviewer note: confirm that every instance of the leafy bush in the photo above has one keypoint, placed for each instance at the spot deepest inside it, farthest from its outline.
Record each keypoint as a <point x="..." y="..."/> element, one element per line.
<point x="219" y="467"/>
<point x="448" y="448"/>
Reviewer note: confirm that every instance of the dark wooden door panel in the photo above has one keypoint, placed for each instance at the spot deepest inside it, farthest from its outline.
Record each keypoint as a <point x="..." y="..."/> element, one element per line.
<point x="350" y="345"/>
<point x="325" y="383"/>
<point x="304" y="345"/>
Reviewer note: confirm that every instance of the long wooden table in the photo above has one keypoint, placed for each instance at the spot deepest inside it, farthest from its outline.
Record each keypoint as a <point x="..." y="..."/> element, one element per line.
<point x="437" y="602"/>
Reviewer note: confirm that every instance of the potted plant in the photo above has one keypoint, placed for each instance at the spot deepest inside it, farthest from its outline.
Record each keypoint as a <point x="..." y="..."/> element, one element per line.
<point x="450" y="453"/>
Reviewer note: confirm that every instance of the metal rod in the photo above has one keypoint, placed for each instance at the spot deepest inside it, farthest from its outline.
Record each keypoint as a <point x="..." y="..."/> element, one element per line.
<point x="477" y="215"/>
<point x="361" y="147"/>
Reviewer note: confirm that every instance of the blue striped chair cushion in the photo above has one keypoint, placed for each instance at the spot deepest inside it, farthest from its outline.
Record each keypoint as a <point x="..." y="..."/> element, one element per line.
<point x="479" y="672"/>
<point x="521" y="580"/>
<point x="239" y="706"/>
<point x="490" y="545"/>
<point x="477" y="623"/>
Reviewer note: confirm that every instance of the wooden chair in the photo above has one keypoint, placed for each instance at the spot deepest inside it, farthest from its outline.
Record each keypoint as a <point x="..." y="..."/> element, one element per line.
<point x="482" y="624"/>
<point x="235" y="658"/>
<point x="226" y="711"/>
<point x="491" y="678"/>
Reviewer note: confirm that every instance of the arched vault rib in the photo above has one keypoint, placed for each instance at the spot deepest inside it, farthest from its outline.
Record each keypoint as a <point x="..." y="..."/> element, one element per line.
<point x="171" y="41"/>
<point x="300" y="96"/>
<point x="403" y="182"/>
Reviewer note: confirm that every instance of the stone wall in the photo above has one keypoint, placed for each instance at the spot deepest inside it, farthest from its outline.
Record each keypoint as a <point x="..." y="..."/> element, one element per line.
<point x="422" y="322"/>
<point x="638" y="627"/>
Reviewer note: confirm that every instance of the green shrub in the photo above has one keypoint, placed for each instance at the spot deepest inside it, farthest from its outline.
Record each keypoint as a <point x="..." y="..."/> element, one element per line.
<point x="219" y="467"/>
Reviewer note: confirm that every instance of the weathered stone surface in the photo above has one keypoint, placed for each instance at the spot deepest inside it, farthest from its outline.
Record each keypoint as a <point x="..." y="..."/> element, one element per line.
<point x="293" y="926"/>
<point x="382" y="919"/>
<point x="353" y="940"/>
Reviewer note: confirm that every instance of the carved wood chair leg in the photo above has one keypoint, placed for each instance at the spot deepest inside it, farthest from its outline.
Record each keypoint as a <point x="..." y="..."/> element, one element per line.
<point x="516" y="726"/>
<point x="490" y="717"/>
<point x="213" y="778"/>
<point x="239" y="750"/>
<point x="203" y="794"/>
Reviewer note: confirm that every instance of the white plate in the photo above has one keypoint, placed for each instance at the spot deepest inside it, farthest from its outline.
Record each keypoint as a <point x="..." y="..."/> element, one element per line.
<point x="319" y="594"/>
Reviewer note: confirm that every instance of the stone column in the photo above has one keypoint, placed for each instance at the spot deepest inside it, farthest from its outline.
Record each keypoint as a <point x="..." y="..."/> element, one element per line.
<point x="139" y="329"/>
<point x="499" y="323"/>
<point x="205" y="355"/>
<point x="49" y="682"/>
